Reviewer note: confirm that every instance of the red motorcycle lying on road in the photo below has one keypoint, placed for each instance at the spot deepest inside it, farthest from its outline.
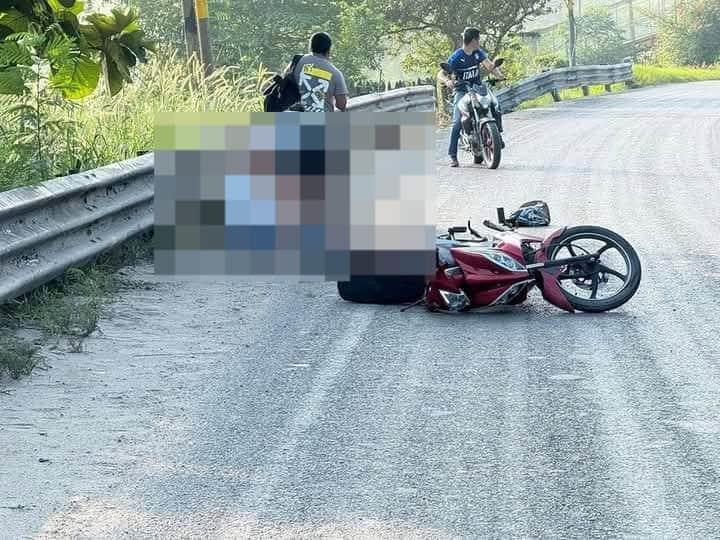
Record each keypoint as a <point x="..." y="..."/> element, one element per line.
<point x="584" y="268"/>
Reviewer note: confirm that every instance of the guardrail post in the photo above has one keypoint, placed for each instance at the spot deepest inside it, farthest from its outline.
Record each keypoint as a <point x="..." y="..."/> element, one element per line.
<point x="586" y="91"/>
<point x="555" y="94"/>
<point x="608" y="87"/>
<point x="631" y="82"/>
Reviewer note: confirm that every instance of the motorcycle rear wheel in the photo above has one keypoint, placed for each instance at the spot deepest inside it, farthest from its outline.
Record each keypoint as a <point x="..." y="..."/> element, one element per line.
<point x="613" y="241"/>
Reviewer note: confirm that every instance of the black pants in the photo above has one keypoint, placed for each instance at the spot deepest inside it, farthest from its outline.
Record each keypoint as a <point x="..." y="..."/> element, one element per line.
<point x="382" y="289"/>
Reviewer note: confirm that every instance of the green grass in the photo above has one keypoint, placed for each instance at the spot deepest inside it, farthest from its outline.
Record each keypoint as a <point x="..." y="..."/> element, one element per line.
<point x="568" y="94"/>
<point x="646" y="75"/>
<point x="17" y="357"/>
<point x="68" y="308"/>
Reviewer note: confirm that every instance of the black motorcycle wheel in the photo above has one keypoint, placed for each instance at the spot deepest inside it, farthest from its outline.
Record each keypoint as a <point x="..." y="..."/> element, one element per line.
<point x="491" y="145"/>
<point x="568" y="245"/>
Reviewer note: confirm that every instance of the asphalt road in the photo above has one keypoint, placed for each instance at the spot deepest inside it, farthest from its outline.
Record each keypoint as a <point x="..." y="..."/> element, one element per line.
<point x="225" y="410"/>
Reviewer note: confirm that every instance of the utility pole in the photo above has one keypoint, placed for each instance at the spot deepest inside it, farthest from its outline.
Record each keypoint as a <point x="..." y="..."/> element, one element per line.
<point x="203" y="26"/>
<point x="192" y="43"/>
<point x="573" y="31"/>
<point x="197" y="30"/>
<point x="631" y="20"/>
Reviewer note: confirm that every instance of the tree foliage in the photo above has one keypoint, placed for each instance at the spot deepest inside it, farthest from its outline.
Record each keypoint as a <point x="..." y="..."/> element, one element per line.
<point x="269" y="32"/>
<point x="74" y="48"/>
<point x="599" y="39"/>
<point x="496" y="20"/>
<point x="694" y="38"/>
<point x="427" y="51"/>
<point x="549" y="60"/>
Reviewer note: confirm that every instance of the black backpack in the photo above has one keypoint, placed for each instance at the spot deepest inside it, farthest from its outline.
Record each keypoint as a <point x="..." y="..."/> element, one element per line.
<point x="282" y="91"/>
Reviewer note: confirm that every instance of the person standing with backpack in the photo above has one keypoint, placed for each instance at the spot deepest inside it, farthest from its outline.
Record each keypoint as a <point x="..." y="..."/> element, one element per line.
<point x="321" y="85"/>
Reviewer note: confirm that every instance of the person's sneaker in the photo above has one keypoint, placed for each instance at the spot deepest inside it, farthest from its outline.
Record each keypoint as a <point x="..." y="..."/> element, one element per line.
<point x="454" y="162"/>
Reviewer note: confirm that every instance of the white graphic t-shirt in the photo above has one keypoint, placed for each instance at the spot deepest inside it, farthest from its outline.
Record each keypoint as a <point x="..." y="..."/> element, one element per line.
<point x="319" y="82"/>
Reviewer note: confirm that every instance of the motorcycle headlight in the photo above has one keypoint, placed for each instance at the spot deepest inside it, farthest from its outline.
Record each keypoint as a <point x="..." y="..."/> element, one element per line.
<point x="506" y="261"/>
<point x="454" y="271"/>
<point x="485" y="102"/>
<point x="455" y="301"/>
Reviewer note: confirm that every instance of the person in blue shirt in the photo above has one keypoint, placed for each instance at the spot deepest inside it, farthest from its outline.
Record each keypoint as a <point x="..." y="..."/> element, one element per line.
<point x="465" y="63"/>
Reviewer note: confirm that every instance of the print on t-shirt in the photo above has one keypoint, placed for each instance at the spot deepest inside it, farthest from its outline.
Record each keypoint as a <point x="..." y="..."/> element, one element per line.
<point x="314" y="85"/>
<point x="467" y="66"/>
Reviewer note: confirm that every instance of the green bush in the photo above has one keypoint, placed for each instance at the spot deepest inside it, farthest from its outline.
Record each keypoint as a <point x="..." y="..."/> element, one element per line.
<point x="518" y="62"/>
<point x="426" y="53"/>
<point x="599" y="39"/>
<point x="545" y="61"/>
<point x="694" y="39"/>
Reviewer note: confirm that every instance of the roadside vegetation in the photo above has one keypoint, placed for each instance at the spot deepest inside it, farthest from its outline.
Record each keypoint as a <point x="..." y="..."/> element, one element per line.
<point x="648" y="75"/>
<point x="63" y="313"/>
<point x="103" y="128"/>
<point x="569" y="94"/>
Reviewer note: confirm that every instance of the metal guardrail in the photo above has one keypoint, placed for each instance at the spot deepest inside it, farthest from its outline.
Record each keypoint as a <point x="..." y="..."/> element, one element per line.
<point x="66" y="222"/>
<point x="561" y="79"/>
<point x="552" y="81"/>
<point x="413" y="98"/>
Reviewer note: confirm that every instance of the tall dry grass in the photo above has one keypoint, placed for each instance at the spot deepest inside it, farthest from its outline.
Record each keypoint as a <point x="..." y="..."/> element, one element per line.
<point x="103" y="129"/>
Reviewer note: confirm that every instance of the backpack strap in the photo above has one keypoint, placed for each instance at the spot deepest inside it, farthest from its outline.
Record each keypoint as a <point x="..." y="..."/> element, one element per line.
<point x="291" y="68"/>
<point x="295" y="60"/>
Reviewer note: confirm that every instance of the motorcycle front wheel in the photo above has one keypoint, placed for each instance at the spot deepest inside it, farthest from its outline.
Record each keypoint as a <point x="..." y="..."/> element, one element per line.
<point x="491" y="146"/>
<point x="602" y="286"/>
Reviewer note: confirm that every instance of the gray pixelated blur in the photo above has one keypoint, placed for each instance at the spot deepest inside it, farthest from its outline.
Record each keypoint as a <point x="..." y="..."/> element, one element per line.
<point x="321" y="196"/>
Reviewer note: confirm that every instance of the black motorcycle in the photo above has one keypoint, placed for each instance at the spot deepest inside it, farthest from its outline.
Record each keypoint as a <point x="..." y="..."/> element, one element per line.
<point x="479" y="114"/>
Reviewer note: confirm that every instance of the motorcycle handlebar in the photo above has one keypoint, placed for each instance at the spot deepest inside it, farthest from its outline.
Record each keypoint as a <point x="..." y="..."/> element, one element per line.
<point x="490" y="225"/>
<point x="491" y="82"/>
